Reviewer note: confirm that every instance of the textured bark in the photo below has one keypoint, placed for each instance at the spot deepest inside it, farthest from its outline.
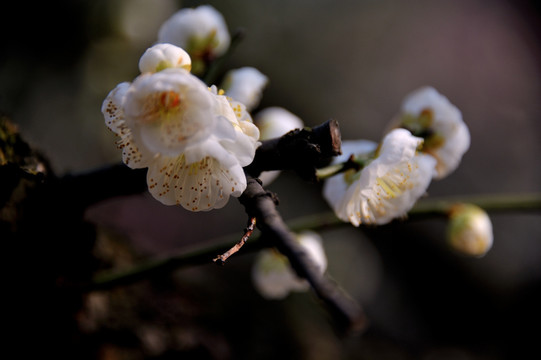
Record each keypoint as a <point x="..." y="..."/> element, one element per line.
<point x="300" y="150"/>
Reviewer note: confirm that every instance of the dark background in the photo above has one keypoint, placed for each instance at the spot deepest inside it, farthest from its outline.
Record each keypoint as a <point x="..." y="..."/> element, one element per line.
<point x="349" y="60"/>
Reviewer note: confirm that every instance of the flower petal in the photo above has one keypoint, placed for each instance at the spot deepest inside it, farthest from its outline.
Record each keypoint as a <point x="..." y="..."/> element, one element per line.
<point x="245" y="85"/>
<point x="113" y="112"/>
<point x="199" y="186"/>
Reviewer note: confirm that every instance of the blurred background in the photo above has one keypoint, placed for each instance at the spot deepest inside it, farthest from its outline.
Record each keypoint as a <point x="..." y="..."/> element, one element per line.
<point x="353" y="61"/>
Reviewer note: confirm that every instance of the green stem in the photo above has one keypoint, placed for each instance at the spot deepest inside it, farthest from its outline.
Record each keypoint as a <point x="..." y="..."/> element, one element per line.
<point x="428" y="208"/>
<point x="335" y="169"/>
<point x="488" y="202"/>
<point x="331" y="170"/>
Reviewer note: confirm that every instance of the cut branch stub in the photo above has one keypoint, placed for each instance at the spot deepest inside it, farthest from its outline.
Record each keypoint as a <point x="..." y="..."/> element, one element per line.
<point x="300" y="150"/>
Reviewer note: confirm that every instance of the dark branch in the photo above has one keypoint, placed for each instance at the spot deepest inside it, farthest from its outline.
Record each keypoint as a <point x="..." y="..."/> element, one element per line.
<point x="301" y="150"/>
<point x="89" y="188"/>
<point x="261" y="204"/>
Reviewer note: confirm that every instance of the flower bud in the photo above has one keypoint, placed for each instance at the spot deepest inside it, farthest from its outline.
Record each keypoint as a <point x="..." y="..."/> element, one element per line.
<point x="245" y="85"/>
<point x="469" y="230"/>
<point x="276" y="121"/>
<point x="430" y="115"/>
<point x="163" y="56"/>
<point x="202" y="32"/>
<point x="272" y="274"/>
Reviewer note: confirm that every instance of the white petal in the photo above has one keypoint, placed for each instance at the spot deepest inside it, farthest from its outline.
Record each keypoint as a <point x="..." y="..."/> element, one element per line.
<point x="210" y="148"/>
<point x="358" y="148"/>
<point x="113" y="112"/>
<point x="335" y="188"/>
<point x="245" y="85"/>
<point x="243" y="148"/>
<point x="244" y="143"/>
<point x="112" y="108"/>
<point x="451" y="133"/>
<point x="200" y="186"/>
<point x="450" y="154"/>
<point x="399" y="144"/>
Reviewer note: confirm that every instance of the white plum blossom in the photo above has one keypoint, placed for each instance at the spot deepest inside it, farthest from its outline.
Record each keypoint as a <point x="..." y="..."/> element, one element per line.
<point x="272" y="274"/>
<point x="274" y="122"/>
<point x="164" y="56"/>
<point x="201" y="31"/>
<point x="393" y="177"/>
<point x="193" y="140"/>
<point x="246" y="85"/>
<point x="469" y="230"/>
<point x="428" y="114"/>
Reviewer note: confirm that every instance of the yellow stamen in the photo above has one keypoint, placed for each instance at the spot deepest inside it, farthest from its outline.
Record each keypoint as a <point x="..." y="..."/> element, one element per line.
<point x="390" y="188"/>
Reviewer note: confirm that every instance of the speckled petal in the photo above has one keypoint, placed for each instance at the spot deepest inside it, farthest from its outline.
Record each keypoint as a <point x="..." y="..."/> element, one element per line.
<point x="199" y="186"/>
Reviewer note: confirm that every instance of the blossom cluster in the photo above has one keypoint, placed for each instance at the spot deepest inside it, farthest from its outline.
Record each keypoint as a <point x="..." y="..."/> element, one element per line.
<point x="426" y="141"/>
<point x="195" y="138"/>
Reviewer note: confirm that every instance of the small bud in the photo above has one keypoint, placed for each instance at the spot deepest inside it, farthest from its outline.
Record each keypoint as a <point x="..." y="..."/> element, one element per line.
<point x="276" y="121"/>
<point x="201" y="31"/>
<point x="430" y="115"/>
<point x="272" y="274"/>
<point x="469" y="230"/>
<point x="245" y="85"/>
<point x="163" y="56"/>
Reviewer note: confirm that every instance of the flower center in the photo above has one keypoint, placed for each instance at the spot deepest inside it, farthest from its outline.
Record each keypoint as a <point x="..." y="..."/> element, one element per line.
<point x="423" y="126"/>
<point x="389" y="187"/>
<point x="169" y="102"/>
<point x="160" y="107"/>
<point x="419" y="125"/>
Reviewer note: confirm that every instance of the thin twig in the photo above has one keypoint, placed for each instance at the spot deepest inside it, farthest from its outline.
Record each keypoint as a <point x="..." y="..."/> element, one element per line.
<point x="429" y="208"/>
<point x="247" y="233"/>
<point x="335" y="169"/>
